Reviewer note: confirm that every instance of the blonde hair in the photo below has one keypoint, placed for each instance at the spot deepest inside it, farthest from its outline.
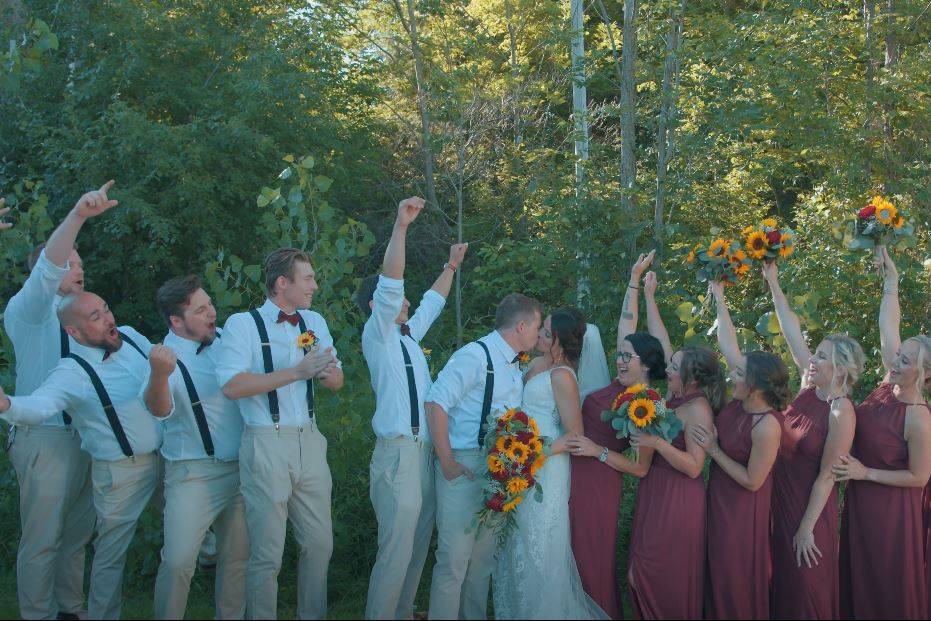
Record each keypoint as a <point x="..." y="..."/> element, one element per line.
<point x="848" y="358"/>
<point x="924" y="358"/>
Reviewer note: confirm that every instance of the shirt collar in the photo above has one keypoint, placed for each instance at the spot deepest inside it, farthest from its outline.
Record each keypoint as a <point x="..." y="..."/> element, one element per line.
<point x="497" y="341"/>
<point x="270" y="310"/>
<point x="181" y="344"/>
<point x="93" y="354"/>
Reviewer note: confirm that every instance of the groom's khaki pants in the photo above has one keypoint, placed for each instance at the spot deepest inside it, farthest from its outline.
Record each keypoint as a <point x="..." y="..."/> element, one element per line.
<point x="56" y="511"/>
<point x="122" y="489"/>
<point x="401" y="489"/>
<point x="464" y="558"/>
<point x="285" y="476"/>
<point x="200" y="493"/>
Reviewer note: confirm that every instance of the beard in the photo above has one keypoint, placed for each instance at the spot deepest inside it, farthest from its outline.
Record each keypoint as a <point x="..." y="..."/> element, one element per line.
<point x="108" y="345"/>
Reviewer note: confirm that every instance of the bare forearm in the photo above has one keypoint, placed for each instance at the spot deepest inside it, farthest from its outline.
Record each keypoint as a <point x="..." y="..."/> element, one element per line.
<point x="727" y="333"/>
<point x="817" y="499"/>
<point x="60" y="243"/>
<point x="439" y="431"/>
<point x="627" y="324"/>
<point x="890" y="318"/>
<point x="393" y="265"/>
<point x="790" y="326"/>
<point x="896" y="478"/>
<point x="736" y="471"/>
<point x="157" y="396"/>
<point x="444" y="282"/>
<point x="656" y="327"/>
<point x="638" y="468"/>
<point x="682" y="461"/>
<point x="251" y="384"/>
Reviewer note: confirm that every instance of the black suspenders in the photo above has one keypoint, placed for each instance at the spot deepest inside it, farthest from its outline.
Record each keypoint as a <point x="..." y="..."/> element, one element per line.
<point x="273" y="406"/>
<point x="104" y="397"/>
<point x="411" y="390"/>
<point x="489" y="391"/>
<point x="199" y="417"/>
<point x="65" y="350"/>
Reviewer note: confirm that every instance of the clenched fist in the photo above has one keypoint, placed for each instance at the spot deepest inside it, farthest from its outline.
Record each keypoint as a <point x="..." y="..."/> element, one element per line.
<point x="162" y="360"/>
<point x="409" y="209"/>
<point x="457" y="254"/>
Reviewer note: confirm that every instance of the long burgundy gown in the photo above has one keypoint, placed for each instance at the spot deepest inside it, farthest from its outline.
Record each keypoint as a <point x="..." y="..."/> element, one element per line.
<point x="803" y="592"/>
<point x="738" y="570"/>
<point x="883" y="536"/>
<point x="667" y="546"/>
<point x="594" y="503"/>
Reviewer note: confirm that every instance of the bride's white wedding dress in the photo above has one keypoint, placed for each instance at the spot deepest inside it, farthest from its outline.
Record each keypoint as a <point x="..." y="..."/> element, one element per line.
<point x="536" y="576"/>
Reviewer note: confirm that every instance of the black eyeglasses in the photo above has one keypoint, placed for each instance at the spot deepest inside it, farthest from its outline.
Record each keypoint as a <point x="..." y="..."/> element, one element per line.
<point x="626" y="356"/>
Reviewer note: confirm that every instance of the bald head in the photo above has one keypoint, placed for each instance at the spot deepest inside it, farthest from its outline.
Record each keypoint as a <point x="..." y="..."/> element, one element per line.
<point x="87" y="319"/>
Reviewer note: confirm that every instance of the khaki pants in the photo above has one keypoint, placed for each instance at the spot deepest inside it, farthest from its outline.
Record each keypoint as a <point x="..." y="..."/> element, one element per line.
<point x="122" y="489"/>
<point x="285" y="477"/>
<point x="464" y="558"/>
<point x="56" y="511"/>
<point x="401" y="488"/>
<point x="200" y="493"/>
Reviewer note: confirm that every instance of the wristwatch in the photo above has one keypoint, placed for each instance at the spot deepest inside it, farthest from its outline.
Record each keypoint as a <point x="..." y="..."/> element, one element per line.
<point x="604" y="455"/>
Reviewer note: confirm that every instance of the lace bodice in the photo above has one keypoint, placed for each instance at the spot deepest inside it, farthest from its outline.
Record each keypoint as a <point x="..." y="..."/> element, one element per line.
<point x="540" y="403"/>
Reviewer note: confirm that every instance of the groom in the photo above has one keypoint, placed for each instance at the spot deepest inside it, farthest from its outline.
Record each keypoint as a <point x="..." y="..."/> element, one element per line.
<point x="482" y="377"/>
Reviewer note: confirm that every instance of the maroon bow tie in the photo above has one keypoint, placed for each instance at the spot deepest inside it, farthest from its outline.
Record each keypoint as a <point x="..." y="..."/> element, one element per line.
<point x="405" y="330"/>
<point x="106" y="355"/>
<point x="291" y="319"/>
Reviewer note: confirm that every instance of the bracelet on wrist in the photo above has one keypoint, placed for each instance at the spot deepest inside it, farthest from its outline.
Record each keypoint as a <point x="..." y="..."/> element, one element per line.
<point x="632" y="287"/>
<point x="450" y="266"/>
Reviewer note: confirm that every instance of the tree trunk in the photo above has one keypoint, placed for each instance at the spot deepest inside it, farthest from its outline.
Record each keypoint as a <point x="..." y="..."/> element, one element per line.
<point x="515" y="73"/>
<point x="664" y="133"/>
<point x="460" y="182"/>
<point x="892" y="58"/>
<point x="580" y="131"/>
<point x="629" y="118"/>
<point x="869" y="12"/>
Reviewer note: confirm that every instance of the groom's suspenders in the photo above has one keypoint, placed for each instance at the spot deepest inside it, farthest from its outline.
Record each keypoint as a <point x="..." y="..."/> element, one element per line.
<point x="489" y="391"/>
<point x="412" y="391"/>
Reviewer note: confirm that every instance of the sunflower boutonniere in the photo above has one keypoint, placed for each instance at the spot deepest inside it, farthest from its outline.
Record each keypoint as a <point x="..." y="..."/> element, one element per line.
<point x="306" y="339"/>
<point x="523" y="359"/>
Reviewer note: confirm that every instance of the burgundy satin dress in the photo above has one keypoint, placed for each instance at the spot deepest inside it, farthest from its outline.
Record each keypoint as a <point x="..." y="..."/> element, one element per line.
<point x="803" y="592"/>
<point x="738" y="570"/>
<point x="594" y="504"/>
<point x="883" y="535"/>
<point x="667" y="545"/>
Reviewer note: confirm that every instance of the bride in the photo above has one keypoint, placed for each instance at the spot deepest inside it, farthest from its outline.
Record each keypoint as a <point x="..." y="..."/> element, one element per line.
<point x="536" y="575"/>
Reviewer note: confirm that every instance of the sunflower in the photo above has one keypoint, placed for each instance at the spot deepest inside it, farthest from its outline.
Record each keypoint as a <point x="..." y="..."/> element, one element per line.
<point x="306" y="339"/>
<point x="534" y="428"/>
<point x="495" y="465"/>
<point x="516" y="485"/>
<point x="739" y="256"/>
<point x="899" y="222"/>
<point x="692" y="254"/>
<point x="535" y="446"/>
<point x="510" y="506"/>
<point x="756" y="244"/>
<point x="537" y="464"/>
<point x="746" y="231"/>
<point x="787" y="247"/>
<point x="642" y="412"/>
<point x="518" y="452"/>
<point x="718" y="248"/>
<point x="886" y="212"/>
<point x="503" y="444"/>
<point x="509" y="415"/>
<point x="770" y="222"/>
<point x="636" y="388"/>
<point x="741" y="269"/>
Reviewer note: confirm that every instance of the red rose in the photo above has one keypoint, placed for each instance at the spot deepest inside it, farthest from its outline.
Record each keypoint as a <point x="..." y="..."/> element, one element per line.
<point x="495" y="503"/>
<point x="522" y="417"/>
<point x="867" y="211"/>
<point x="653" y="395"/>
<point x="773" y="237"/>
<point x="501" y="477"/>
<point x="524" y="436"/>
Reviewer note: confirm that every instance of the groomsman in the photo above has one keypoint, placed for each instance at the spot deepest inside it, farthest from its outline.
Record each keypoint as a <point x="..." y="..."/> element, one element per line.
<point x="202" y="433"/>
<point x="270" y="370"/>
<point x="98" y="384"/>
<point x="401" y="472"/>
<point x="55" y="501"/>
<point x="481" y="378"/>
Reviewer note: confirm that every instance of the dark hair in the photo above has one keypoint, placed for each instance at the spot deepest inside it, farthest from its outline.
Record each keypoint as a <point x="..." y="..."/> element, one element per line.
<point x="281" y="263"/>
<point x="175" y="294"/>
<point x="650" y="351"/>
<point x="568" y="328"/>
<point x="701" y="366"/>
<point x="767" y="373"/>
<point x="366" y="293"/>
<point x="516" y="307"/>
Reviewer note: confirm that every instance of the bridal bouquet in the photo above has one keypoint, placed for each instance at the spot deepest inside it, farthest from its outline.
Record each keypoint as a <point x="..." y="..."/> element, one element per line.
<point x="642" y="410"/>
<point x="879" y="223"/>
<point x="721" y="261"/>
<point x="514" y="452"/>
<point x="768" y="241"/>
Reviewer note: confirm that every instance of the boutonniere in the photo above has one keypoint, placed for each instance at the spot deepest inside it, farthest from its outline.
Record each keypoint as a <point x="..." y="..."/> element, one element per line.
<point x="306" y="339"/>
<point x="523" y="359"/>
<point x="426" y="352"/>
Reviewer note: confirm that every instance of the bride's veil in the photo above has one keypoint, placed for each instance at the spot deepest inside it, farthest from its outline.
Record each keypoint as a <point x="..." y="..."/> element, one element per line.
<point x="593" y="365"/>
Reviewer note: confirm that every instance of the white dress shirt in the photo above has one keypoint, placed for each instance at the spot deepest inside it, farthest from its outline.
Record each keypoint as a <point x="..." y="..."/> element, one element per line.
<point x="182" y="439"/>
<point x="69" y="388"/>
<point x="32" y="323"/>
<point x="241" y="352"/>
<point x="381" y="346"/>
<point x="460" y="387"/>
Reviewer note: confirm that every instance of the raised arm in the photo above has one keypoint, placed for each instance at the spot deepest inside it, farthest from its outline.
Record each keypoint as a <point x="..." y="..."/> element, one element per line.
<point x="395" y="254"/>
<point x="727" y="334"/>
<point x="59" y="245"/>
<point x="890" y="314"/>
<point x="654" y="320"/>
<point x="157" y="395"/>
<point x="627" y="324"/>
<point x="444" y="281"/>
<point x="788" y="322"/>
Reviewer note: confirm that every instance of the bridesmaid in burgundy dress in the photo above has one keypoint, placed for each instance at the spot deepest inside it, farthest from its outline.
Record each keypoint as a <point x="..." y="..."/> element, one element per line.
<point x="816" y="430"/>
<point x="595" y="493"/>
<point x="743" y="450"/>
<point x="667" y="549"/>
<point x="883" y="536"/>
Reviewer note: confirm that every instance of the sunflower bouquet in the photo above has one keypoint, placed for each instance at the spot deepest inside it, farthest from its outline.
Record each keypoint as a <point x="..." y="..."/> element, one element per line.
<point x="515" y="451"/>
<point x="879" y="223"/>
<point x="768" y="241"/>
<point x="642" y="410"/>
<point x="720" y="261"/>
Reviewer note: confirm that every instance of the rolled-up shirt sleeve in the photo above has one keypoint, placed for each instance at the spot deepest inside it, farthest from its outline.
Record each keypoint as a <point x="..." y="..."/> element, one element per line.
<point x="458" y="377"/>
<point x="387" y="303"/>
<point x="33" y="303"/>
<point x="58" y="392"/>
<point x="173" y="380"/>
<point x="235" y="349"/>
